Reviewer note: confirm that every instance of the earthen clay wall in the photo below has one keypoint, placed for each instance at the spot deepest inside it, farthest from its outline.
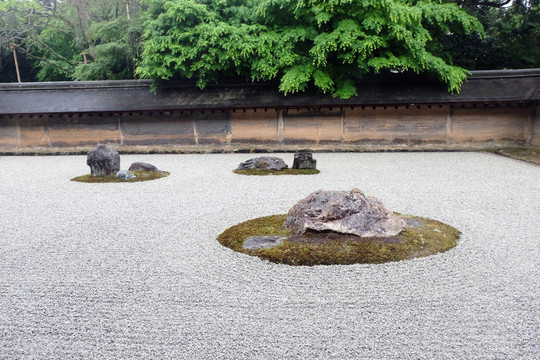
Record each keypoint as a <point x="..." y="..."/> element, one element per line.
<point x="356" y="128"/>
<point x="493" y="108"/>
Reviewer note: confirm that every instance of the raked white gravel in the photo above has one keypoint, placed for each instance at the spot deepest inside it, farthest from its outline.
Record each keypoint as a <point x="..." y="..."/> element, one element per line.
<point x="134" y="271"/>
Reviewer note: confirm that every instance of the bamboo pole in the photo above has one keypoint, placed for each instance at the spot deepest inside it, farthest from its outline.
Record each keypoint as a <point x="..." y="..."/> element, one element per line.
<point x="13" y="46"/>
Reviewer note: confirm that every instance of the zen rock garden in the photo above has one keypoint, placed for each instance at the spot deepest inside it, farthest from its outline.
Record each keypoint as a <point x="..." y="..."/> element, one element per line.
<point x="104" y="166"/>
<point x="339" y="227"/>
<point x="303" y="163"/>
<point x="325" y="228"/>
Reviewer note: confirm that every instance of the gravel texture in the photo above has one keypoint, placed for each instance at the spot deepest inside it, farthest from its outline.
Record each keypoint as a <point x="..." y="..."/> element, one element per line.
<point x="101" y="271"/>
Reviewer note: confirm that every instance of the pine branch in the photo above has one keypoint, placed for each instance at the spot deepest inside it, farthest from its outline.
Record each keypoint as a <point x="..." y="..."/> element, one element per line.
<point x="69" y="71"/>
<point x="51" y="50"/>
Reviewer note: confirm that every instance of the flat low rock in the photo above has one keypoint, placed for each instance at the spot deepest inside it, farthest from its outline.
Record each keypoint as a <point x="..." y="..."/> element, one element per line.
<point x="126" y="175"/>
<point x="413" y="223"/>
<point x="137" y="166"/>
<point x="346" y="212"/>
<point x="262" y="242"/>
<point x="263" y="163"/>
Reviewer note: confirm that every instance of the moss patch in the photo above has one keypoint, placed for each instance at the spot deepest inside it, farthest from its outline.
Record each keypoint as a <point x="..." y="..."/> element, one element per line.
<point x="140" y="176"/>
<point x="329" y="248"/>
<point x="528" y="154"/>
<point x="262" y="172"/>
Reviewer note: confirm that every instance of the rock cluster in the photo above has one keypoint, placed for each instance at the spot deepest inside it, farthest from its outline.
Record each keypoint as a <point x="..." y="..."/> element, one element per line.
<point x="104" y="161"/>
<point x="347" y="212"/>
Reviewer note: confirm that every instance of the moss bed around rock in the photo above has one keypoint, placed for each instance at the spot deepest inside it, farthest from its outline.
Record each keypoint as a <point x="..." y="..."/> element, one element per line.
<point x="329" y="248"/>
<point x="262" y="172"/>
<point x="140" y="176"/>
<point x="529" y="154"/>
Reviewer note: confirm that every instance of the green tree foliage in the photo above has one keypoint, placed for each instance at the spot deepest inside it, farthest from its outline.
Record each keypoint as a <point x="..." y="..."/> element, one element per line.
<point x="329" y="44"/>
<point x="516" y="31"/>
<point x="512" y="38"/>
<point x="17" y="20"/>
<point x="55" y="35"/>
<point x="114" y="45"/>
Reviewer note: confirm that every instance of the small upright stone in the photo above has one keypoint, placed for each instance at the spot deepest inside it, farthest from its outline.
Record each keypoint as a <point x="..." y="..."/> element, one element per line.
<point x="264" y="163"/>
<point x="137" y="166"/>
<point x="304" y="160"/>
<point x="103" y="161"/>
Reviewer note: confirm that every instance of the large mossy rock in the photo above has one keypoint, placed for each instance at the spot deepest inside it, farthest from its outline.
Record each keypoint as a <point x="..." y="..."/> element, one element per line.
<point x="346" y="212"/>
<point x="103" y="161"/>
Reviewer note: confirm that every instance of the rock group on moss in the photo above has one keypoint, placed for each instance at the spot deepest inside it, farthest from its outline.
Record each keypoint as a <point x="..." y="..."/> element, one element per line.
<point x="105" y="167"/>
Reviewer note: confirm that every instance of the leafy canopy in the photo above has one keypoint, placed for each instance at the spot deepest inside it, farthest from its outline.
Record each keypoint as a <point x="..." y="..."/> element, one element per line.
<point x="328" y="44"/>
<point x="512" y="38"/>
<point x="54" y="35"/>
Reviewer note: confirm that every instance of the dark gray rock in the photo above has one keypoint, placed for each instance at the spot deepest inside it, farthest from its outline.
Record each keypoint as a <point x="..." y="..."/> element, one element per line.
<point x="413" y="223"/>
<point x="126" y="175"/>
<point x="136" y="166"/>
<point x="103" y="161"/>
<point x="263" y="162"/>
<point x="304" y="160"/>
<point x="262" y="242"/>
<point x="346" y="212"/>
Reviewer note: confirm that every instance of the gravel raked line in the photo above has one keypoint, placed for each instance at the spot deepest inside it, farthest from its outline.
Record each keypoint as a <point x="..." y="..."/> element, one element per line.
<point x="127" y="271"/>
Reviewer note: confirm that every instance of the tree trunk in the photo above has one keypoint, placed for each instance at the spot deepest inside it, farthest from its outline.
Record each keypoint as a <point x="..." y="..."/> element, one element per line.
<point x="127" y="9"/>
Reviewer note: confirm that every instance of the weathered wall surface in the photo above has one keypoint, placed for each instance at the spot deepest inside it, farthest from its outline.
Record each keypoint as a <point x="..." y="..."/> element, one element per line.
<point x="401" y="126"/>
<point x="533" y="126"/>
<point x="434" y="127"/>
<point x="494" y="108"/>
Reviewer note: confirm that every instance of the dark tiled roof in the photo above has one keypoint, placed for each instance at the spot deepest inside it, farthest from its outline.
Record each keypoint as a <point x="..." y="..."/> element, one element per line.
<point x="482" y="87"/>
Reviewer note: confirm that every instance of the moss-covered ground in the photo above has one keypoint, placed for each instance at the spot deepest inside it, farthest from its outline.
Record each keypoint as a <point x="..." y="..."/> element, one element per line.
<point x="529" y="154"/>
<point x="140" y="176"/>
<point x="262" y="172"/>
<point x="329" y="248"/>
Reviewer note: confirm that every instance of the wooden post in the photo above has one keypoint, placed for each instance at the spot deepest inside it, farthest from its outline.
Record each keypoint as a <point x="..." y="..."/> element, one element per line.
<point x="13" y="46"/>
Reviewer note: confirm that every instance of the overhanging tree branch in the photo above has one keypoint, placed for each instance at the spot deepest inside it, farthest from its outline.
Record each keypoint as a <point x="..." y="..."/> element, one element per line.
<point x="29" y="54"/>
<point x="51" y="50"/>
<point x="490" y="3"/>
